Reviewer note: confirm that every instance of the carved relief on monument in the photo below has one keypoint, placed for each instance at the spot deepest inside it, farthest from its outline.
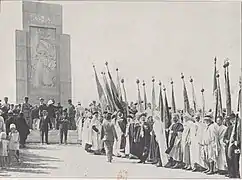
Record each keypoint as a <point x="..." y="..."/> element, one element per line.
<point x="43" y="63"/>
<point x="39" y="19"/>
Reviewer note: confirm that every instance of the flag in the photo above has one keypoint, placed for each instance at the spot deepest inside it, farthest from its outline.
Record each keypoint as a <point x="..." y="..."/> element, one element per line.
<point x="227" y="88"/>
<point x="194" y="100"/>
<point x="215" y="89"/>
<point x="185" y="96"/>
<point x="161" y="106"/>
<point x="100" y="91"/>
<point x="239" y="106"/>
<point x="116" y="100"/>
<point x="119" y="87"/>
<point x="140" y="107"/>
<point x="153" y="96"/>
<point x="108" y="92"/>
<point x="220" y="107"/>
<point x="145" y="97"/>
<point x="166" y="118"/>
<point x="203" y="103"/>
<point x="125" y="98"/>
<point x="173" y="104"/>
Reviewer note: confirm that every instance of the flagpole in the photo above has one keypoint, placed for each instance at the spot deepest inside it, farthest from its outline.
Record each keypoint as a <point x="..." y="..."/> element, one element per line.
<point x="193" y="96"/>
<point x="203" y="103"/>
<point x="153" y="95"/>
<point x="161" y="105"/>
<point x="145" y="98"/>
<point x="125" y="97"/>
<point x="139" y="105"/>
<point x="173" y="97"/>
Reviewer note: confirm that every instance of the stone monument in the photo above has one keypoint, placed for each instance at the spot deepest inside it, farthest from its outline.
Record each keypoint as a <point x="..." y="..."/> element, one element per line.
<point x="43" y="67"/>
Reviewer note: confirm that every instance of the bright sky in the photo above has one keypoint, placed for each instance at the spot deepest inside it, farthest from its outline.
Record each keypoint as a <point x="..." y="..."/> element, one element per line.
<point x="142" y="40"/>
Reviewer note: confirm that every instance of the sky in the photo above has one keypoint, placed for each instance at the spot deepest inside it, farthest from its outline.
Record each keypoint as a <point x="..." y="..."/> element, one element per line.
<point x="142" y="40"/>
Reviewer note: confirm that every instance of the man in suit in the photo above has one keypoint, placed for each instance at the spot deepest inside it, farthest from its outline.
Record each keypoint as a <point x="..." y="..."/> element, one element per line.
<point x="44" y="126"/>
<point x="42" y="106"/>
<point x="232" y="140"/>
<point x="108" y="133"/>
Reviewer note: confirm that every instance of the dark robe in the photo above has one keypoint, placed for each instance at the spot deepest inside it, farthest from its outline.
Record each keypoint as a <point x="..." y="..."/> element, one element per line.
<point x="153" y="146"/>
<point x="131" y="137"/>
<point x="142" y="143"/>
<point x="175" y="128"/>
<point x="122" y="124"/>
<point x="23" y="129"/>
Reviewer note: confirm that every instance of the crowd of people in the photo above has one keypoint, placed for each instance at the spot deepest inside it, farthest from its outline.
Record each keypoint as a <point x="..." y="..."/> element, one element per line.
<point x="192" y="142"/>
<point x="17" y="121"/>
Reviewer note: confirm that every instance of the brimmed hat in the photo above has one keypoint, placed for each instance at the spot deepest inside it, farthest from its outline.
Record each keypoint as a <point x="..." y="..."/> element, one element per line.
<point x="50" y="102"/>
<point x="95" y="112"/>
<point x="207" y="118"/>
<point x="12" y="126"/>
<point x="142" y="114"/>
<point x="188" y="117"/>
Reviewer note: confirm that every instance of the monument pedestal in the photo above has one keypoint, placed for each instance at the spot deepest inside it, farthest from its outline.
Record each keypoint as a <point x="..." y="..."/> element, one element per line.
<point x="43" y="67"/>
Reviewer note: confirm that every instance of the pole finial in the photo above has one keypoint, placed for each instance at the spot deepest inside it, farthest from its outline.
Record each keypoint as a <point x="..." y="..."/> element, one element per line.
<point x="153" y="79"/>
<point x="137" y="81"/>
<point x="143" y="83"/>
<point x="191" y="80"/>
<point x="182" y="75"/>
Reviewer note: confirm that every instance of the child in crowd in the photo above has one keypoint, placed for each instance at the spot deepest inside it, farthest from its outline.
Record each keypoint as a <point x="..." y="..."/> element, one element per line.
<point x="13" y="143"/>
<point x="3" y="149"/>
<point x="64" y="125"/>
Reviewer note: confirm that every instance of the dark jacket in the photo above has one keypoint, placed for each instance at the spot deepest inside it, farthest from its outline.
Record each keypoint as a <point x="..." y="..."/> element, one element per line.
<point x="45" y="124"/>
<point x="41" y="108"/>
<point x="64" y="123"/>
<point x="51" y="111"/>
<point x="108" y="131"/>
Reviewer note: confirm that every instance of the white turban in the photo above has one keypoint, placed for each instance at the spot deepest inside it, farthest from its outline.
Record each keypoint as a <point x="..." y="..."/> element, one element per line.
<point x="12" y="126"/>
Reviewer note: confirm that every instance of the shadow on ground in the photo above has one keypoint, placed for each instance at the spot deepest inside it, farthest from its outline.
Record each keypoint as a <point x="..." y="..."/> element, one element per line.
<point x="32" y="162"/>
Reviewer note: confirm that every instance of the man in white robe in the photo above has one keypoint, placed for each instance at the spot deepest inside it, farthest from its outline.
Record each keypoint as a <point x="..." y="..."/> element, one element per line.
<point x="79" y="116"/>
<point x="210" y="144"/>
<point x="221" y="159"/>
<point x="201" y="126"/>
<point x="95" y="133"/>
<point x="186" y="141"/>
<point x="117" y="143"/>
<point x="159" y="130"/>
<point x="194" y="143"/>
<point x="86" y="134"/>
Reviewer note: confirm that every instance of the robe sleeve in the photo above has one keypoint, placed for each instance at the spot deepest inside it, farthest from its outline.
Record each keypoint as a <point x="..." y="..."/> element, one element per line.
<point x="102" y="132"/>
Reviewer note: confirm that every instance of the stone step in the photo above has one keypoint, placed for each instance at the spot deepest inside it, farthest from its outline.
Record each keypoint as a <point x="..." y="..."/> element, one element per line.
<point x="54" y="136"/>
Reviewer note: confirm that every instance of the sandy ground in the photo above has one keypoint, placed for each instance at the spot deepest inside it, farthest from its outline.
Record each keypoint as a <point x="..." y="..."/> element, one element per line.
<point x="72" y="161"/>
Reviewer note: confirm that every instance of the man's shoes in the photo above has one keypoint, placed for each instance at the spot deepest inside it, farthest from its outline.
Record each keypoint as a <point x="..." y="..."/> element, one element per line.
<point x="206" y="171"/>
<point x="194" y="170"/>
<point x="210" y="173"/>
